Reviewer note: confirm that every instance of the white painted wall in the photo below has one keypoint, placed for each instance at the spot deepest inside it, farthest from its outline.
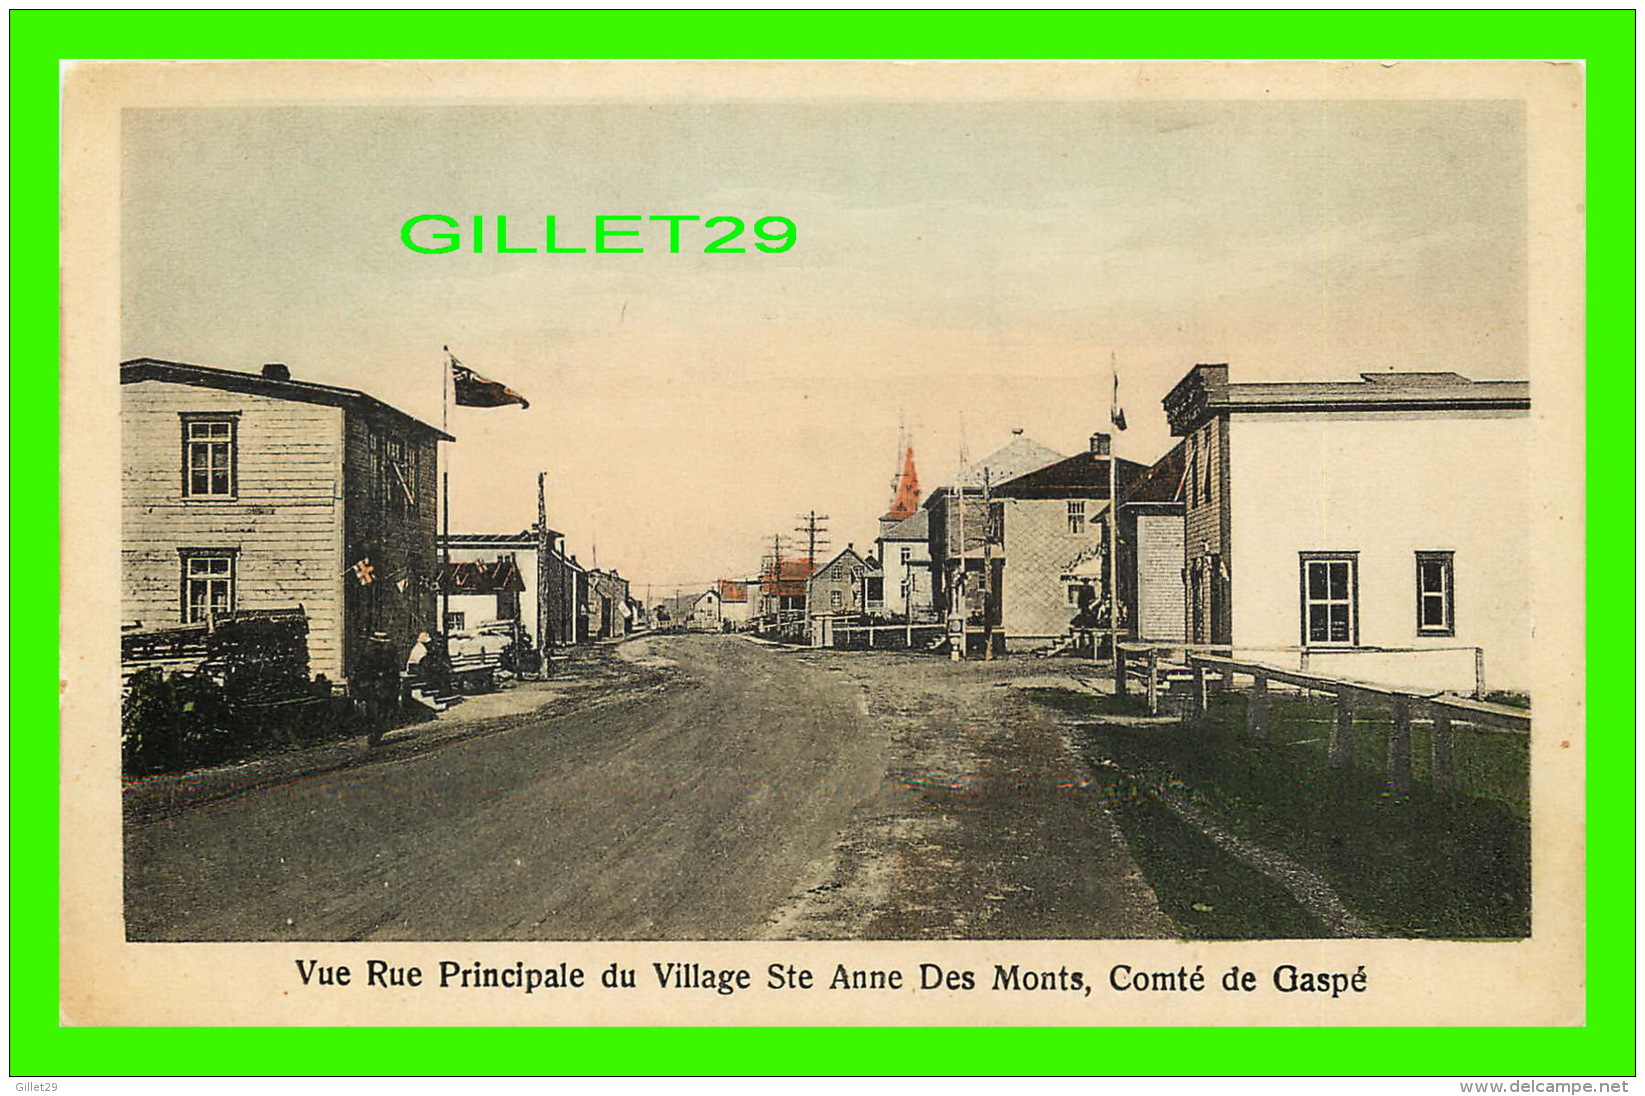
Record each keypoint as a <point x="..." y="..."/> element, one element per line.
<point x="917" y="575"/>
<point x="526" y="560"/>
<point x="1387" y="486"/>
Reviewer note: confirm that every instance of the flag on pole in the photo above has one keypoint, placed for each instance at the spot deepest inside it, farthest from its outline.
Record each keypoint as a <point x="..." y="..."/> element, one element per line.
<point x="1116" y="413"/>
<point x="469" y="389"/>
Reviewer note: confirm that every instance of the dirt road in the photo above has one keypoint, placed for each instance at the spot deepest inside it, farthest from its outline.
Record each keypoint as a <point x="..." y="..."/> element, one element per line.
<point x="758" y="792"/>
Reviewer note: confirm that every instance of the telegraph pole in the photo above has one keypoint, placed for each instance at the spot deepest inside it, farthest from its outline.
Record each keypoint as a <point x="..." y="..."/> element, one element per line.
<point x="545" y="625"/>
<point x="813" y="530"/>
<point x="987" y="568"/>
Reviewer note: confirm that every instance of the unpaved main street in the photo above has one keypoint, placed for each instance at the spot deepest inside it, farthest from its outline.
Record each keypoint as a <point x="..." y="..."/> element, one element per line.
<point x="747" y="792"/>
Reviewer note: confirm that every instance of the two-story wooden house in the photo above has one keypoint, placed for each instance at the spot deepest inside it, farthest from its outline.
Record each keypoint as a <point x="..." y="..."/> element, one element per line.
<point x="252" y="491"/>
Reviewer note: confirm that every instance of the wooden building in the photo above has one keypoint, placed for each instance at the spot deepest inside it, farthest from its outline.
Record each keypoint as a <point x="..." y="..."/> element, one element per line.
<point x="255" y="491"/>
<point x="845" y="585"/>
<point x="1376" y="529"/>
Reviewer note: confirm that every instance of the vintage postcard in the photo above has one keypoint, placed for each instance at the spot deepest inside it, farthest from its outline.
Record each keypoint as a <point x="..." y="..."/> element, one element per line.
<point x="849" y="543"/>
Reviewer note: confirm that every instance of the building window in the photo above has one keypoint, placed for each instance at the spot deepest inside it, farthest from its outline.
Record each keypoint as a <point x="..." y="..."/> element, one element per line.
<point x="1074" y="590"/>
<point x="208" y="584"/>
<point x="1076" y="516"/>
<point x="396" y="477"/>
<point x="836" y="600"/>
<point x="1436" y="600"/>
<point x="208" y="456"/>
<point x="1330" y="599"/>
<point x="907" y="554"/>
<point x="454" y="622"/>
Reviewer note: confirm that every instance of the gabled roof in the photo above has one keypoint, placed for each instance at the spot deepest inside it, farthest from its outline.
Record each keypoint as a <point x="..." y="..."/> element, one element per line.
<point x="1163" y="481"/>
<point x="847" y="554"/>
<point x="277" y="387"/>
<point x="492" y="576"/>
<point x="1082" y="476"/>
<point x="732" y="590"/>
<point x="1016" y="457"/>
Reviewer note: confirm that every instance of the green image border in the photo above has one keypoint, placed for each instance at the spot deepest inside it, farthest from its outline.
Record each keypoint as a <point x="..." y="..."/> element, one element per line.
<point x="1604" y="1046"/>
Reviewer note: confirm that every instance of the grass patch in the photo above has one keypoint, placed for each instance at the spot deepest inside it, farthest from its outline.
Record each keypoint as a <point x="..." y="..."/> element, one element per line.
<point x="1209" y="894"/>
<point x="1451" y="866"/>
<point x="1073" y="702"/>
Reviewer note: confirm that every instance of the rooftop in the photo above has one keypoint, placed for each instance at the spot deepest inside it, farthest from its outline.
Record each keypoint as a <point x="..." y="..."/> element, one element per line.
<point x="1206" y="391"/>
<point x="274" y="381"/>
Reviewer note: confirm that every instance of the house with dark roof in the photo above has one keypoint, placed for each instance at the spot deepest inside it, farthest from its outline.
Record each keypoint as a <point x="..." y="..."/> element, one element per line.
<point x="245" y="490"/>
<point x="1051" y="549"/>
<point x="847" y="585"/>
<point x="1377" y="529"/>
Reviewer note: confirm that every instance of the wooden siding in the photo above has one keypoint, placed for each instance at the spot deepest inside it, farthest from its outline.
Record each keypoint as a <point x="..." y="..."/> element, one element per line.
<point x="281" y="522"/>
<point x="398" y="538"/>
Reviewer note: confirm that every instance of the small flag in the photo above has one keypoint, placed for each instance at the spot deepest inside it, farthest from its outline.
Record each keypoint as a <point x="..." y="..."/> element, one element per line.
<point x="364" y="571"/>
<point x="1116" y="413"/>
<point x="472" y="390"/>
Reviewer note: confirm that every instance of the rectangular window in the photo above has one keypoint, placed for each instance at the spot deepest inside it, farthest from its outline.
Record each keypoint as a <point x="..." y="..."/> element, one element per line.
<point x="208" y="584"/>
<point x="1435" y="598"/>
<point x="1330" y="599"/>
<point x="1076" y="516"/>
<point x="836" y="600"/>
<point x="907" y="554"/>
<point x="454" y="622"/>
<point x="208" y="456"/>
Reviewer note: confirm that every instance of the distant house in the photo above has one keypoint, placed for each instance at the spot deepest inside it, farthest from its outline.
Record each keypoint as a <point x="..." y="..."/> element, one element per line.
<point x="1052" y="549"/>
<point x="609" y="614"/>
<point x="1378" y="528"/>
<point x="255" y="491"/>
<point x="964" y="531"/>
<point x="904" y="551"/>
<point x="783" y="587"/>
<point x="735" y="609"/>
<point x="558" y="618"/>
<point x="841" y="586"/>
<point x="705" y="612"/>
<point x="481" y="592"/>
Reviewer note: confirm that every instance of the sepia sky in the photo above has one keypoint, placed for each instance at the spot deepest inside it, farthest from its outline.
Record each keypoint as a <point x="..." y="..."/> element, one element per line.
<point x="970" y="267"/>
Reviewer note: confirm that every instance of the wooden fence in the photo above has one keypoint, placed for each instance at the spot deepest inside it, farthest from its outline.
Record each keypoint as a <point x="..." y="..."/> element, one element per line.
<point x="1442" y="710"/>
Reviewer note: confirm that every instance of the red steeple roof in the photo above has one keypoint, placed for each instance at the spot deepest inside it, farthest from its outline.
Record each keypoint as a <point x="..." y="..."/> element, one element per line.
<point x="906" y="500"/>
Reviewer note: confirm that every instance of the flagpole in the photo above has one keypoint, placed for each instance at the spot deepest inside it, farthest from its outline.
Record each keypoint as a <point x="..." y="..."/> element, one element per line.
<point x="445" y="501"/>
<point x="1113" y="515"/>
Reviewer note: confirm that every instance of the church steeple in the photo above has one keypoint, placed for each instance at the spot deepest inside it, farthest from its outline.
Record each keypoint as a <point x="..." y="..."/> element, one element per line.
<point x="906" y="499"/>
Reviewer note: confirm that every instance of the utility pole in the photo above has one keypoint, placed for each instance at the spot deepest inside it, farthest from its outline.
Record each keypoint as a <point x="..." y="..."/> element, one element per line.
<point x="445" y="564"/>
<point x="776" y="579"/>
<point x="545" y="625"/>
<point x="813" y="530"/>
<point x="987" y="568"/>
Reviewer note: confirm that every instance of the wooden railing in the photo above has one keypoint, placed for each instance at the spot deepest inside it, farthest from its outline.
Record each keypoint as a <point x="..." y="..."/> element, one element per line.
<point x="1442" y="710"/>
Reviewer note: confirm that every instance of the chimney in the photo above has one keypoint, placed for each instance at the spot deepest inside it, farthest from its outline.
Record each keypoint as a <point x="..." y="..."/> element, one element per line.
<point x="1101" y="444"/>
<point x="276" y="371"/>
